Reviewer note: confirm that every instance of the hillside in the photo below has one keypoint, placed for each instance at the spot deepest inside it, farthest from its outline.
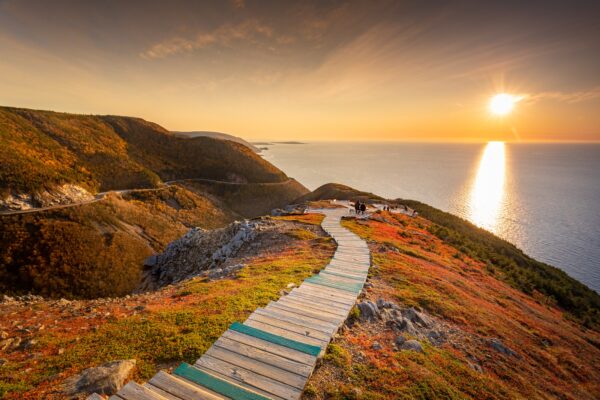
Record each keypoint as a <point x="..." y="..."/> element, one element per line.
<point x="339" y="192"/>
<point x="98" y="249"/>
<point x="472" y="335"/>
<point x="476" y="336"/>
<point x="40" y="150"/>
<point x="217" y="135"/>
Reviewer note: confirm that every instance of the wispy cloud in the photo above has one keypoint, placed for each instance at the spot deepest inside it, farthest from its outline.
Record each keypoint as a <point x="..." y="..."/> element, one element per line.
<point x="251" y="31"/>
<point x="567" y="97"/>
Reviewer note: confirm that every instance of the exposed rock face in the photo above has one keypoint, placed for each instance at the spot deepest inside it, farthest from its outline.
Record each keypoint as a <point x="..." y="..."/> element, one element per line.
<point x="198" y="251"/>
<point x="105" y="379"/>
<point x="409" y="321"/>
<point x="65" y="194"/>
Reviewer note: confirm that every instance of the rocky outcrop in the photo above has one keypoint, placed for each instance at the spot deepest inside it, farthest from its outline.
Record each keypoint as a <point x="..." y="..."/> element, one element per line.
<point x="105" y="379"/>
<point x="199" y="251"/>
<point x="405" y="321"/>
<point x="61" y="195"/>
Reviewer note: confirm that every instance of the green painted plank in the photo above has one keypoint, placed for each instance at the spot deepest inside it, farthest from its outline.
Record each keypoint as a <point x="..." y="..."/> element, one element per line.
<point x="323" y="282"/>
<point x="215" y="384"/>
<point x="280" y="340"/>
<point x="341" y="275"/>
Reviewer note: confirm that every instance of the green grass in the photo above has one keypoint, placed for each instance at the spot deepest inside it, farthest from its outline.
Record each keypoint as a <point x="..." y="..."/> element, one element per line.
<point x="172" y="332"/>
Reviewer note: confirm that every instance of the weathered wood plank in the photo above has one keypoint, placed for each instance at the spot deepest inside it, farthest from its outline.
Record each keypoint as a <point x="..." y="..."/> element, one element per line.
<point x="316" y="324"/>
<point x="286" y="333"/>
<point x="181" y="388"/>
<point x="164" y="394"/>
<point x="312" y="306"/>
<point x="297" y="310"/>
<point x="298" y="328"/>
<point x="336" y="292"/>
<point x="273" y="348"/>
<point x="250" y="378"/>
<point x="265" y="357"/>
<point x="257" y="366"/>
<point x="135" y="391"/>
<point x="318" y="300"/>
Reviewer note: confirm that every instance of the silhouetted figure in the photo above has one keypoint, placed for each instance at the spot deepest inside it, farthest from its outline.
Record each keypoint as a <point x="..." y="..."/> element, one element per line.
<point x="363" y="208"/>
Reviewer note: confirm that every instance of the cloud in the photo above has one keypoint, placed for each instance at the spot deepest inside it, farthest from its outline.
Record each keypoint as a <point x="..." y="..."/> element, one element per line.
<point x="238" y="3"/>
<point x="568" y="97"/>
<point x="247" y="31"/>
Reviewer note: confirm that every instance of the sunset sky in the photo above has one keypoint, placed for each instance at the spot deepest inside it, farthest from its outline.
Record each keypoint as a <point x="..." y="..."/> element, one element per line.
<point x="372" y="70"/>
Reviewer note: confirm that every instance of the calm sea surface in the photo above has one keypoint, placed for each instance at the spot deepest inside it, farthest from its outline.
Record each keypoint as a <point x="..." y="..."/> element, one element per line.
<point x="545" y="198"/>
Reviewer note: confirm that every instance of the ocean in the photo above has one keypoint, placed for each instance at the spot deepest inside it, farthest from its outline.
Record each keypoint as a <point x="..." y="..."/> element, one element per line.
<point x="545" y="198"/>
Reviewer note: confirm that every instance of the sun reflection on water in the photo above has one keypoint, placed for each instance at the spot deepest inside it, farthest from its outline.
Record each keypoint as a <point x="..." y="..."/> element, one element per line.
<point x="487" y="192"/>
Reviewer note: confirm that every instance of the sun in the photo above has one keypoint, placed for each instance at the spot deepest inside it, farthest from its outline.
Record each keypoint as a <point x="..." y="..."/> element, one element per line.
<point x="503" y="103"/>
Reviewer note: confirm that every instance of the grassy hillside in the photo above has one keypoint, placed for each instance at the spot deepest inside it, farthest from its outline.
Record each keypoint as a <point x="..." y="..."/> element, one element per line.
<point x="510" y="264"/>
<point x="159" y="329"/>
<point x="251" y="200"/>
<point x="339" y="192"/>
<point x="41" y="149"/>
<point x="97" y="250"/>
<point x="542" y="354"/>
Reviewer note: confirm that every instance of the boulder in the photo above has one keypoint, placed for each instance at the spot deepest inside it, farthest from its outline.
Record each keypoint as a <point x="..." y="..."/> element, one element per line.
<point x="417" y="317"/>
<point x="400" y="340"/>
<point x="405" y="325"/>
<point x="105" y="379"/>
<point x="412" y="345"/>
<point x="368" y="311"/>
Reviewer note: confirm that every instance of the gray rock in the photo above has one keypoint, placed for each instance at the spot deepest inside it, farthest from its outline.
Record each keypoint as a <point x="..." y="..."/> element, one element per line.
<point x="436" y="337"/>
<point x="95" y="396"/>
<point x="368" y="311"/>
<point x="105" y="379"/>
<point x="417" y="317"/>
<point x="407" y="326"/>
<point x="400" y="340"/>
<point x="376" y="346"/>
<point x="412" y="345"/>
<point x="497" y="345"/>
<point x="151" y="261"/>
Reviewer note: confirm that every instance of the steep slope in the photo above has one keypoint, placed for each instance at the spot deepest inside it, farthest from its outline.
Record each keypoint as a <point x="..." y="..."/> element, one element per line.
<point x="339" y="192"/>
<point x="217" y="135"/>
<point x="98" y="249"/>
<point x="40" y="150"/>
<point x="437" y="323"/>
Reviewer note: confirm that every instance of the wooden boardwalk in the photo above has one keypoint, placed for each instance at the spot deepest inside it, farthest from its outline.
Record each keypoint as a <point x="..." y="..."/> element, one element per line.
<point x="273" y="353"/>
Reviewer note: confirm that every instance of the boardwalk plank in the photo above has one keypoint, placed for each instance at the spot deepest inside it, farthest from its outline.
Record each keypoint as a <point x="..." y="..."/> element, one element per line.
<point x="257" y="366"/>
<point x="294" y="327"/>
<point x="300" y="311"/>
<point x="250" y="378"/>
<point x="182" y="389"/>
<point x="316" y="324"/>
<point x="135" y="391"/>
<point x="164" y="394"/>
<point x="264" y="356"/>
<point x="285" y="333"/>
<point x="273" y="348"/>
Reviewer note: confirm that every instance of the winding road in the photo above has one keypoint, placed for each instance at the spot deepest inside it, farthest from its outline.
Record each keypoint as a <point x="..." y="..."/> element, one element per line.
<point x="100" y="196"/>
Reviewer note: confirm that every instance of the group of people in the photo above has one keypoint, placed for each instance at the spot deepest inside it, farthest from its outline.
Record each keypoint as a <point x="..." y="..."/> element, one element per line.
<point x="360" y="207"/>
